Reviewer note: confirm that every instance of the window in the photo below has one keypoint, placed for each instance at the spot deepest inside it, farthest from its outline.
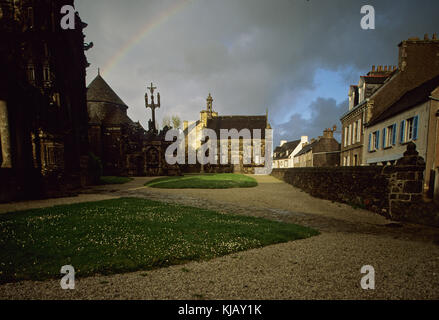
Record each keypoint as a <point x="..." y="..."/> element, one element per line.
<point x="354" y="138"/>
<point x="31" y="73"/>
<point x="30" y="16"/>
<point x="409" y="130"/>
<point x="374" y="139"/>
<point x="359" y="131"/>
<point x="389" y="136"/>
<point x="350" y="135"/>
<point x="355" y="160"/>
<point x="46" y="73"/>
<point x="346" y="137"/>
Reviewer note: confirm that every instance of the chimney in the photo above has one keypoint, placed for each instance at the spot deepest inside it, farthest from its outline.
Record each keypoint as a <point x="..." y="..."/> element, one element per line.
<point x="304" y="139"/>
<point x="434" y="36"/>
<point x="426" y="37"/>
<point x="282" y="142"/>
<point x="380" y="68"/>
<point x="328" y="134"/>
<point x="373" y="68"/>
<point x="385" y="68"/>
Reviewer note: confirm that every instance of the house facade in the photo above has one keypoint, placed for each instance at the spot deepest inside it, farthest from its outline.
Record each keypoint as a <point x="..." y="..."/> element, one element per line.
<point x="413" y="118"/>
<point x="321" y="152"/>
<point x="283" y="155"/>
<point x="353" y="121"/>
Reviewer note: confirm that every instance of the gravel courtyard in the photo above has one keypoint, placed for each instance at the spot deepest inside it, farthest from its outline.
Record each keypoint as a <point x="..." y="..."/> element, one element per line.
<point x="405" y="256"/>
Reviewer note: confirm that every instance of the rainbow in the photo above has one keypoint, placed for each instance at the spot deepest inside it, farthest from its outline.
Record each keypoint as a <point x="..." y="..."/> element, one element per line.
<point x="143" y="32"/>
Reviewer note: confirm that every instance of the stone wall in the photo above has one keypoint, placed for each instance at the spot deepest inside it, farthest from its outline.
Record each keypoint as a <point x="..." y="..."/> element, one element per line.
<point x="395" y="192"/>
<point x="359" y="186"/>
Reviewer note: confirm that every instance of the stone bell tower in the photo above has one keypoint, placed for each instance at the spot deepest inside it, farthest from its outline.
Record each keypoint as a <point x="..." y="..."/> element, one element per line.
<point x="208" y="113"/>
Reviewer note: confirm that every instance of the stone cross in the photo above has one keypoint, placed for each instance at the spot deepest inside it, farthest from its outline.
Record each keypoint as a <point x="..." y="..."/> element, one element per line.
<point x="152" y="105"/>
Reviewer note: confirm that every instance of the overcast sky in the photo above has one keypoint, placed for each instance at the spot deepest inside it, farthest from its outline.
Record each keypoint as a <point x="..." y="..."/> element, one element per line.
<point x="295" y="57"/>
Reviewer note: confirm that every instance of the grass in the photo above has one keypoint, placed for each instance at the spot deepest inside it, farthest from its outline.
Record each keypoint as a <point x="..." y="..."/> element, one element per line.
<point x="124" y="235"/>
<point x="114" y="180"/>
<point x="205" y="181"/>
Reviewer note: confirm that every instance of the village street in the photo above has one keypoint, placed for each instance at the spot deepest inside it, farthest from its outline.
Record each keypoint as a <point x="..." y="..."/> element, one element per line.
<point x="405" y="257"/>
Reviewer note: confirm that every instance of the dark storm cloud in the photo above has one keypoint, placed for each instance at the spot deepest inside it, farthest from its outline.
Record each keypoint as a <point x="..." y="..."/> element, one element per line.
<point x="325" y="113"/>
<point x="250" y="54"/>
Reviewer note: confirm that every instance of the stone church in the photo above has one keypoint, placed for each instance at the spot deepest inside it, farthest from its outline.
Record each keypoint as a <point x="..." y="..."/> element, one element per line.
<point x="43" y="110"/>
<point x="124" y="146"/>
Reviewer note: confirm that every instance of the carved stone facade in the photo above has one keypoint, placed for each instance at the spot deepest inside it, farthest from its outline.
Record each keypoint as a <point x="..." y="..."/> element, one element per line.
<point x="43" y="128"/>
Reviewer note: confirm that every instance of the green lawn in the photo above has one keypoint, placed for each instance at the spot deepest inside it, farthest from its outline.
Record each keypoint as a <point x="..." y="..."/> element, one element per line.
<point x="114" y="180"/>
<point x="204" y="181"/>
<point x="128" y="234"/>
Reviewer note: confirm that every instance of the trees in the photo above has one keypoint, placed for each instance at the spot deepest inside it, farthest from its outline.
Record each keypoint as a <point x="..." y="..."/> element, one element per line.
<point x="174" y="122"/>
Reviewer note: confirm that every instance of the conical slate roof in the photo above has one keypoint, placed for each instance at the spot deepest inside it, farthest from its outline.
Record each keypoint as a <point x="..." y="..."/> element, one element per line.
<point x="100" y="91"/>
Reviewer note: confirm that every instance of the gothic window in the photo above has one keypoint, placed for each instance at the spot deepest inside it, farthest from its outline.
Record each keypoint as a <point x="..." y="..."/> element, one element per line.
<point x="46" y="50"/>
<point x="30" y="17"/>
<point x="46" y="73"/>
<point x="31" y="73"/>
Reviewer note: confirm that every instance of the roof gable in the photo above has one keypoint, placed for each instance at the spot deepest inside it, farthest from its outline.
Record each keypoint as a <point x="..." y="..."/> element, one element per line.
<point x="100" y="91"/>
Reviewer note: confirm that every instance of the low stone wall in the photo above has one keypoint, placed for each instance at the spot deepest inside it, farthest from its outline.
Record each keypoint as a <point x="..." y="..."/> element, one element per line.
<point x="364" y="187"/>
<point x="395" y="192"/>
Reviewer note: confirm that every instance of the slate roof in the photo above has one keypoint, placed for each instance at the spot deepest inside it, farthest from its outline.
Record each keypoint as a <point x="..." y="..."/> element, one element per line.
<point x="285" y="150"/>
<point x="409" y="100"/>
<point x="375" y="79"/>
<point x="307" y="148"/>
<point x="238" y="123"/>
<point x="100" y="91"/>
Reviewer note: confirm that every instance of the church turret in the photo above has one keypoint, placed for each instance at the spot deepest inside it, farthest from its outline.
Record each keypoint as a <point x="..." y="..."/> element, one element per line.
<point x="209" y="104"/>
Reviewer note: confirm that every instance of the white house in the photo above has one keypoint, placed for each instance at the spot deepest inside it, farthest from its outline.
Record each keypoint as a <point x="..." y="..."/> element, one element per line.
<point x="411" y="119"/>
<point x="283" y="156"/>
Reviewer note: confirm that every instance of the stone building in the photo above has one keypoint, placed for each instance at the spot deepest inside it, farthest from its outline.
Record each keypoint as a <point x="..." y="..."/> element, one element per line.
<point x="283" y="155"/>
<point x="413" y="118"/>
<point x="353" y="120"/>
<point x="43" y="111"/>
<point x="124" y="146"/>
<point x="418" y="63"/>
<point x="212" y="120"/>
<point x="321" y="152"/>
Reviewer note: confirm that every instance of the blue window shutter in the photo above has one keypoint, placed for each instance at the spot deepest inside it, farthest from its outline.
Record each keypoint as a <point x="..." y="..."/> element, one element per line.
<point x="415" y="127"/>
<point x="370" y="142"/>
<point x="402" y="132"/>
<point x="394" y="135"/>
<point x="377" y="142"/>
<point x="384" y="137"/>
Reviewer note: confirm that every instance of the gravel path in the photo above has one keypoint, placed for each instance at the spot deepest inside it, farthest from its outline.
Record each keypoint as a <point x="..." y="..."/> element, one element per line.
<point x="405" y="256"/>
